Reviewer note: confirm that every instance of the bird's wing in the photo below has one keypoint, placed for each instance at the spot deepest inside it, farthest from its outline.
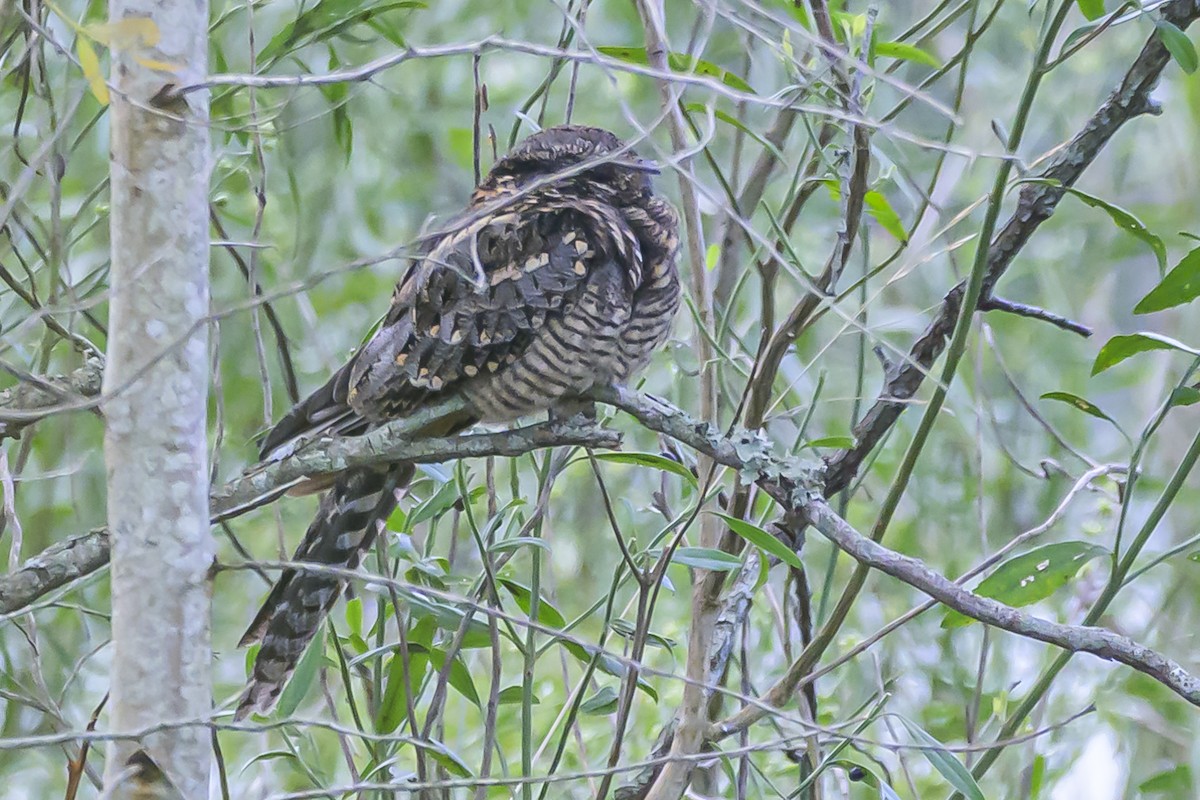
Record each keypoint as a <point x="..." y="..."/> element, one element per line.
<point x="467" y="307"/>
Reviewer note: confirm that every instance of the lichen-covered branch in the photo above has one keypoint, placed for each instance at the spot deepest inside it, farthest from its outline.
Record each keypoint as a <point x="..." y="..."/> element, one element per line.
<point x="83" y="554"/>
<point x="797" y="489"/>
<point x="34" y="398"/>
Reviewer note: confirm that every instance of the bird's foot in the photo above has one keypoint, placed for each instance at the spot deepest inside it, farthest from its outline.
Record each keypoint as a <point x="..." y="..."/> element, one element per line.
<point x="574" y="411"/>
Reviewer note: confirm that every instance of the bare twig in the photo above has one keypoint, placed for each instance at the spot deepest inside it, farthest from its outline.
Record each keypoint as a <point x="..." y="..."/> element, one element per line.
<point x="1036" y="204"/>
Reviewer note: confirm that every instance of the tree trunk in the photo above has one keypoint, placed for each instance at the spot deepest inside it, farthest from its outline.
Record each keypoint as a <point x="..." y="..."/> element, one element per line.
<point x="156" y="388"/>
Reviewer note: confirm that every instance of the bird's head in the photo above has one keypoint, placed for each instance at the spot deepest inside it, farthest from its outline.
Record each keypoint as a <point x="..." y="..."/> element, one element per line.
<point x="576" y="152"/>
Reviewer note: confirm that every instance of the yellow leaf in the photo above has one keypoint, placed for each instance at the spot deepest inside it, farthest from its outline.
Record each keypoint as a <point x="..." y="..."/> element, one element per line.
<point x="161" y="66"/>
<point x="91" y="69"/>
<point x="128" y="33"/>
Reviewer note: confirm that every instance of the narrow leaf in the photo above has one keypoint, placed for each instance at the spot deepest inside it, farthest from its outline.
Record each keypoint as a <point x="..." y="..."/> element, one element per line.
<point x="90" y="65"/>
<point x="354" y="615"/>
<point x="882" y="212"/>
<point x="706" y="558"/>
<point x="1178" y="45"/>
<point x="1032" y="576"/>
<point x="1126" y="222"/>
<point x="1119" y="348"/>
<point x="517" y="542"/>
<point x="602" y="702"/>
<point x="547" y="613"/>
<point x="839" y="442"/>
<point x="680" y="62"/>
<point x="1075" y="401"/>
<point x="1181" y="285"/>
<point x="446" y="758"/>
<point x="729" y="119"/>
<point x="762" y="540"/>
<point x="944" y="762"/>
<point x="459" y="676"/>
<point x="1092" y="9"/>
<point x="510" y="695"/>
<point x="1185" y="396"/>
<point x="652" y="460"/>
<point x="394" y="708"/>
<point x="302" y="680"/>
<point x="906" y="52"/>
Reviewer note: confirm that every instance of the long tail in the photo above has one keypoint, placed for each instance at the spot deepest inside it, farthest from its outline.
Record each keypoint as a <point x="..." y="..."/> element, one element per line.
<point x="350" y="516"/>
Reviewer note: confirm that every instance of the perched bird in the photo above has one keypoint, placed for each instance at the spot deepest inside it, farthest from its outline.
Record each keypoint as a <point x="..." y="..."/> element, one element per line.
<point x="558" y="277"/>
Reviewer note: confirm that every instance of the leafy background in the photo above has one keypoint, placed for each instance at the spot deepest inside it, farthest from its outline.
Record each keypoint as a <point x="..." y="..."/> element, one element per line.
<point x="350" y="172"/>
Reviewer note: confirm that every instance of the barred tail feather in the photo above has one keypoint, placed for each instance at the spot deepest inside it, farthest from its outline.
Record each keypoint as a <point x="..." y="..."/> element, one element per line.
<point x="349" y="517"/>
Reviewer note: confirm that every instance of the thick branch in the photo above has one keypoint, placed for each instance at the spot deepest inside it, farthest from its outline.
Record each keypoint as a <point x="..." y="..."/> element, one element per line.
<point x="34" y="398"/>
<point x="1077" y="639"/>
<point x="84" y="554"/>
<point x="797" y="489"/>
<point x="1036" y="204"/>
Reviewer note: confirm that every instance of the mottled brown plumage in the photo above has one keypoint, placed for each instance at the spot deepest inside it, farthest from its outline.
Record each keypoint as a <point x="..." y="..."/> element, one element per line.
<point x="558" y="276"/>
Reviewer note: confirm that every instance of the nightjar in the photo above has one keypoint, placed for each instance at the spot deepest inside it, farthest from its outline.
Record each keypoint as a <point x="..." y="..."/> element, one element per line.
<point x="559" y="276"/>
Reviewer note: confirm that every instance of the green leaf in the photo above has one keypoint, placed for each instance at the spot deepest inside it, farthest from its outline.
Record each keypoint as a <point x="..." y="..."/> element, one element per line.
<point x="354" y="615"/>
<point x="906" y="52"/>
<point x="1185" y="396"/>
<point x="879" y="209"/>
<point x="729" y="119"/>
<point x="1037" y="776"/>
<point x="944" y="762"/>
<point x="652" y="460"/>
<point x="447" y="617"/>
<point x="1092" y="9"/>
<point x="606" y="664"/>
<point x="711" y="256"/>
<point x="446" y="758"/>
<point x="516" y="542"/>
<point x="1173" y="782"/>
<point x="1126" y="222"/>
<point x="706" y="558"/>
<point x="762" y="540"/>
<point x="326" y="19"/>
<point x="270" y="755"/>
<point x="680" y="62"/>
<point x="511" y="695"/>
<point x="628" y="630"/>
<point x="547" y="613"/>
<point x="602" y="702"/>
<point x="459" y="676"/>
<point x="338" y="95"/>
<point x="394" y="708"/>
<point x="839" y="442"/>
<point x="1119" y="348"/>
<point x="1181" y="285"/>
<point x="1032" y="576"/>
<point x="1079" y="33"/>
<point x="1194" y="556"/>
<point x="1075" y="401"/>
<point x="1178" y="45"/>
<point x="302" y="679"/>
<point x="439" y="503"/>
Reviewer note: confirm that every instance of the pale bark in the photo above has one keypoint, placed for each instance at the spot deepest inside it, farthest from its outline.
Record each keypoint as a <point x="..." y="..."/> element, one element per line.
<point x="155" y="385"/>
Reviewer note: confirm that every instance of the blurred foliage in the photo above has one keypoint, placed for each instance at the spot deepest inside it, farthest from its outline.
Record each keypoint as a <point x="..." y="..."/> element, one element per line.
<point x="315" y="191"/>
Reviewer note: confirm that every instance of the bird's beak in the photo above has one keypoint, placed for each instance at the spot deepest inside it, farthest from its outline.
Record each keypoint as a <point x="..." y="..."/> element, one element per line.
<point x="643" y="165"/>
